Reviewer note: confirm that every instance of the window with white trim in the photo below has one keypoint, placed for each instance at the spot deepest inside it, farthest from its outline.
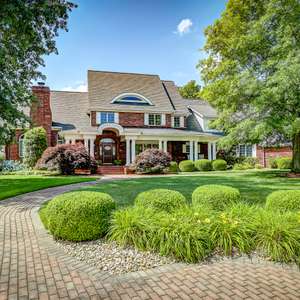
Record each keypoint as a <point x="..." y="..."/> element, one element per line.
<point x="154" y="120"/>
<point x="245" y="150"/>
<point x="107" y="117"/>
<point x="131" y="99"/>
<point x="176" y="121"/>
<point x="21" y="146"/>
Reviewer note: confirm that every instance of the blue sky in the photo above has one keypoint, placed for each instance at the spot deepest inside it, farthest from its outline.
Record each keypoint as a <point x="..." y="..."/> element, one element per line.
<point x="161" y="37"/>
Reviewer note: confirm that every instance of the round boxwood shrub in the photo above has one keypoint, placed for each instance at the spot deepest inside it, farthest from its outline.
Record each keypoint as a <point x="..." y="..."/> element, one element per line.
<point x="203" y="165"/>
<point x="173" y="168"/>
<point x="219" y="165"/>
<point x="160" y="200"/>
<point x="215" y="196"/>
<point x="284" y="163"/>
<point x="78" y="216"/>
<point x="284" y="200"/>
<point x="186" y="166"/>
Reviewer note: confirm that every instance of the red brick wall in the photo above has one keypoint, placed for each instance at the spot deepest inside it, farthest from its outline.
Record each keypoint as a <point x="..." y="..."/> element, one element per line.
<point x="168" y="121"/>
<point x="129" y="119"/>
<point x="265" y="154"/>
<point x="93" y="118"/>
<point x="40" y="112"/>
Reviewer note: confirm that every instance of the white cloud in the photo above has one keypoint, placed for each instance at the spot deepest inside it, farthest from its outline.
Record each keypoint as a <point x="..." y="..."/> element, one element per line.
<point x="184" y="26"/>
<point x="80" y="87"/>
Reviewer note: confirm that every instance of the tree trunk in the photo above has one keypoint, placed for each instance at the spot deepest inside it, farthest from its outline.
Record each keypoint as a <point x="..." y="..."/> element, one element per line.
<point x="296" y="153"/>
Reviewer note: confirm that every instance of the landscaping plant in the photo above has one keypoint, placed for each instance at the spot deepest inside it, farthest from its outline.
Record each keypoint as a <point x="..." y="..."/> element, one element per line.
<point x="186" y="166"/>
<point x="161" y="200"/>
<point x="78" y="216"/>
<point x="215" y="196"/>
<point x="219" y="165"/>
<point x="173" y="168"/>
<point x="203" y="165"/>
<point x="284" y="163"/>
<point x="152" y="161"/>
<point x="284" y="200"/>
<point x="35" y="142"/>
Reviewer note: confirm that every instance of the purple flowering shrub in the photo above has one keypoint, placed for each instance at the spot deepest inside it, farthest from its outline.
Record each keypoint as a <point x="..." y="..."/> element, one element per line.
<point x="152" y="161"/>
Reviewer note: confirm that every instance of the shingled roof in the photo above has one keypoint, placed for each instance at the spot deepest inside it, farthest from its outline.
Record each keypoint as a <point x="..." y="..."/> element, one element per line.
<point x="201" y="107"/>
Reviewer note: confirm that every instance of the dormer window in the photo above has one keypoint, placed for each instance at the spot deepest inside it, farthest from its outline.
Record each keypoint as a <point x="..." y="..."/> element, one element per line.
<point x="131" y="99"/>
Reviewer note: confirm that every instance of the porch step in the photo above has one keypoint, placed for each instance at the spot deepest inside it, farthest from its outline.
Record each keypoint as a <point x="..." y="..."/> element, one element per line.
<point x="110" y="170"/>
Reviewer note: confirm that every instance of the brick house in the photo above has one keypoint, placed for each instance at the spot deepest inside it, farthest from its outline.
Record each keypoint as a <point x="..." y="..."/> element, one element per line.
<point x="123" y="114"/>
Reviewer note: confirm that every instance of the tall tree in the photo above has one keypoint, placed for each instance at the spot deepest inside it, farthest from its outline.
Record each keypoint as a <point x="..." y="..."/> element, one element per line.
<point x="190" y="91"/>
<point x="252" y="72"/>
<point x="27" y="32"/>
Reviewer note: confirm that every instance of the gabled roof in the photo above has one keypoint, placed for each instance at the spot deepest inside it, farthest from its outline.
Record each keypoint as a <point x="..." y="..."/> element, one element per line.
<point x="69" y="110"/>
<point x="105" y="86"/>
<point x="203" y="108"/>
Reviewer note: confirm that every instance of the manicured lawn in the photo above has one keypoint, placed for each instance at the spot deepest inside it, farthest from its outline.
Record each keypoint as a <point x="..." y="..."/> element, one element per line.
<point x="253" y="185"/>
<point x="12" y="185"/>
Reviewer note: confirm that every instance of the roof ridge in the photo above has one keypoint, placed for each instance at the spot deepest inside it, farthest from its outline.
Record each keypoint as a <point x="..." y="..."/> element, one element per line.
<point x="116" y="72"/>
<point x="68" y="91"/>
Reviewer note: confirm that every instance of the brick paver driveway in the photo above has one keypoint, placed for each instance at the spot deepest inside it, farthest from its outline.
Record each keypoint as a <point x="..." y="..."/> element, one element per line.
<point x="32" y="267"/>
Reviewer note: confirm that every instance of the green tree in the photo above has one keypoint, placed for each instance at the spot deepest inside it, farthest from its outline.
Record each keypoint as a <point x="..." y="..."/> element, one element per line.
<point x="190" y="91"/>
<point x="252" y="72"/>
<point x="35" y="143"/>
<point x="27" y="32"/>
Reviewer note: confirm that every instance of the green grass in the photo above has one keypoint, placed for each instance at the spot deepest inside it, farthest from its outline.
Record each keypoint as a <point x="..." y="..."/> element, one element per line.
<point x="13" y="185"/>
<point x="253" y="185"/>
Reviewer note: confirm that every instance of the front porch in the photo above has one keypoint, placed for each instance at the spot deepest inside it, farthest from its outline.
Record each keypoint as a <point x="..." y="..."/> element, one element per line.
<point x="117" y="146"/>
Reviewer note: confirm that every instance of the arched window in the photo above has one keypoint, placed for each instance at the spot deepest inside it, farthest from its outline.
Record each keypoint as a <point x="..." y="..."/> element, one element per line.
<point x="21" y="146"/>
<point x="131" y="99"/>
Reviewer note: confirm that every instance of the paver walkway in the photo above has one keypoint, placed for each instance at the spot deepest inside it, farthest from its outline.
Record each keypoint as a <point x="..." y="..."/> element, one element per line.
<point x="33" y="267"/>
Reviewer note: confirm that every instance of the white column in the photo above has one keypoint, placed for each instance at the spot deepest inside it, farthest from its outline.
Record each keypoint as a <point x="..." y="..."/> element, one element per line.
<point x="92" y="147"/>
<point x="209" y="150"/>
<point x="196" y="150"/>
<point x="165" y="146"/>
<point x="192" y="150"/>
<point x="127" y="152"/>
<point x="86" y="144"/>
<point x="214" y="150"/>
<point x="160" y="146"/>
<point x="132" y="150"/>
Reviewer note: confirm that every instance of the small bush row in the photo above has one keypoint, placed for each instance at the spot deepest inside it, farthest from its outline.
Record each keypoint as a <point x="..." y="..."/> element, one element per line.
<point x="202" y="165"/>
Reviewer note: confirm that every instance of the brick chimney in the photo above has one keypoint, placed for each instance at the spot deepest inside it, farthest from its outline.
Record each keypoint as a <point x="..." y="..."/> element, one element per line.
<point x="40" y="112"/>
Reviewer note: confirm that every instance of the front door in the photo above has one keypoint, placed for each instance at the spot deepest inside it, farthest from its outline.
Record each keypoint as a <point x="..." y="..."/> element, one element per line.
<point x="107" y="150"/>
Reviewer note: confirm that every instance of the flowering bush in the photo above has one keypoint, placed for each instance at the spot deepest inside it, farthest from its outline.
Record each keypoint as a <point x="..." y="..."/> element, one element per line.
<point x="152" y="161"/>
<point x="65" y="158"/>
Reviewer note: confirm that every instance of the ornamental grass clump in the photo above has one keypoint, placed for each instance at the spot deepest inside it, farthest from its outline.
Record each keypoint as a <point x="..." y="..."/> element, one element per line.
<point x="284" y="163"/>
<point x="78" y="216"/>
<point x="186" y="166"/>
<point x="284" y="200"/>
<point x="203" y="165"/>
<point x="277" y="235"/>
<point x="215" y="196"/>
<point x="161" y="200"/>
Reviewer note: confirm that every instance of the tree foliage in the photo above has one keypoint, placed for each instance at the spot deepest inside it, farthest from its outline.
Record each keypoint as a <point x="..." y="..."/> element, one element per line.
<point x="27" y="32"/>
<point x="252" y="72"/>
<point x="35" y="143"/>
<point x="190" y="91"/>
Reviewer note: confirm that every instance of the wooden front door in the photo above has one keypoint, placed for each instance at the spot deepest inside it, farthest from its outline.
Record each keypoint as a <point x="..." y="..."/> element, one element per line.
<point x="107" y="150"/>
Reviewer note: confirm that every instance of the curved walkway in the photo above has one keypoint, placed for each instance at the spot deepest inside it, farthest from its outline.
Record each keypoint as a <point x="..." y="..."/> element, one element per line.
<point x="33" y="267"/>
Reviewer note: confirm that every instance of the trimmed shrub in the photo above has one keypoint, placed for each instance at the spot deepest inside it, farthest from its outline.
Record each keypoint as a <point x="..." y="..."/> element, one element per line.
<point x="173" y="168"/>
<point x="152" y="161"/>
<point x="35" y="143"/>
<point x="203" y="165"/>
<point x="160" y="200"/>
<point x="78" y="216"/>
<point x="284" y="163"/>
<point x="219" y="165"/>
<point x="284" y="200"/>
<point x="215" y="196"/>
<point x="186" y="166"/>
<point x="277" y="235"/>
<point x="65" y="158"/>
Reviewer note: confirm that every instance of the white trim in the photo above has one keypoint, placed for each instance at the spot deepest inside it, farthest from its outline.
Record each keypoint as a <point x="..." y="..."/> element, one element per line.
<point x="146" y="119"/>
<point x="181" y="122"/>
<point x="116" y="117"/>
<point x="110" y="125"/>
<point x="172" y="121"/>
<point x="98" y="116"/>
<point x="163" y="120"/>
<point x="254" y="150"/>
<point x="131" y="94"/>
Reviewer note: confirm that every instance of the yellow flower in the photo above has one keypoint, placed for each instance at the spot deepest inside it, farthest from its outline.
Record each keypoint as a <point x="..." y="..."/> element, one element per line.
<point x="198" y="221"/>
<point x="196" y="214"/>
<point x="207" y="220"/>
